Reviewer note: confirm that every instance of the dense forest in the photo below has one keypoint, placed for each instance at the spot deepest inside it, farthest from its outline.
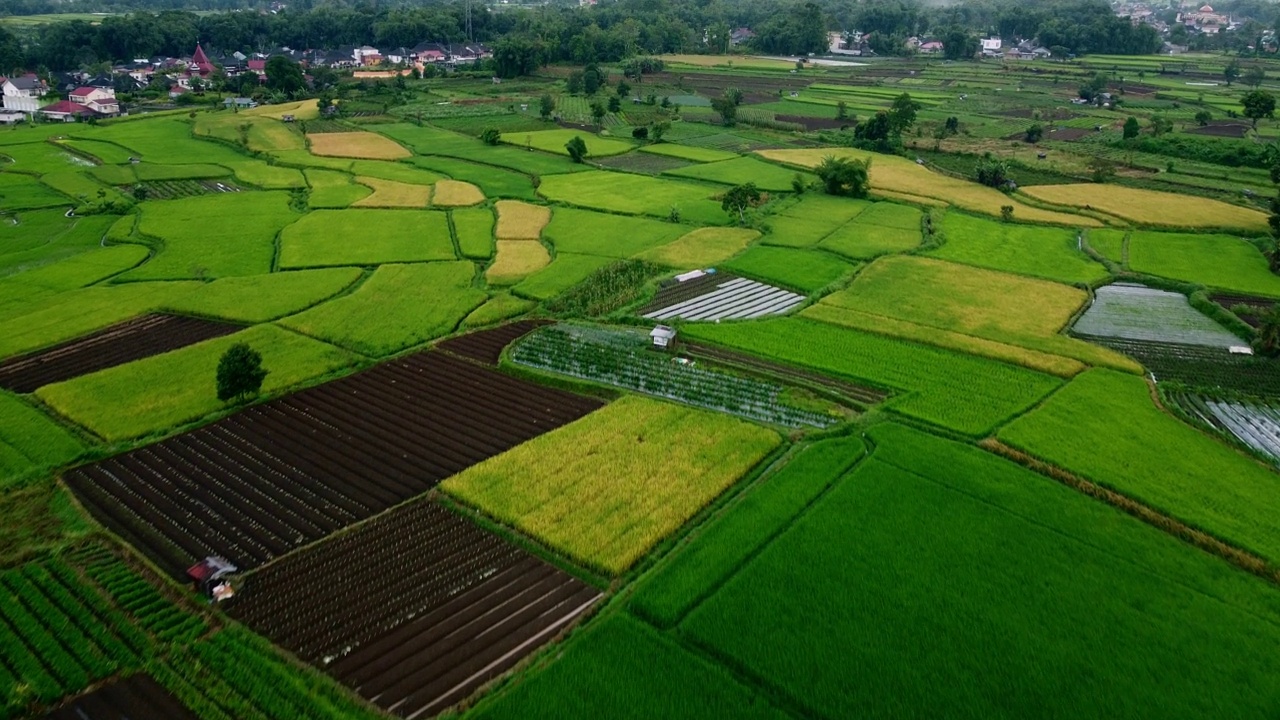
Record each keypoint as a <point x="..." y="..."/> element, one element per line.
<point x="554" y="33"/>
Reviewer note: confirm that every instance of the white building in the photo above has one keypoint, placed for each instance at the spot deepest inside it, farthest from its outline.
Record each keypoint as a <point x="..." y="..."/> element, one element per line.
<point x="100" y="100"/>
<point x="23" y="93"/>
<point x="991" y="46"/>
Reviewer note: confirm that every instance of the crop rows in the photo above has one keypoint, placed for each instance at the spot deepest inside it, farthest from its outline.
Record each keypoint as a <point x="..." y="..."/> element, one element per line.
<point x="57" y="635"/>
<point x="729" y="299"/>
<point x="414" y="610"/>
<point x="137" y="696"/>
<point x="1253" y="423"/>
<point x="1202" y="367"/>
<point x="261" y="482"/>
<point x="170" y="189"/>
<point x="119" y="344"/>
<point x="623" y="359"/>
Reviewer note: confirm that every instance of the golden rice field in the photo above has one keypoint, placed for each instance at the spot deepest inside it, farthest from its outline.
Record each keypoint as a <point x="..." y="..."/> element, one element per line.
<point x="520" y="220"/>
<point x="356" y="145"/>
<point x="704" y="247"/>
<point x="515" y="260"/>
<point x="392" y="194"/>
<point x="607" y="488"/>
<point x="895" y="293"/>
<point x="455" y="193"/>
<point x="1151" y="207"/>
<point x="894" y="176"/>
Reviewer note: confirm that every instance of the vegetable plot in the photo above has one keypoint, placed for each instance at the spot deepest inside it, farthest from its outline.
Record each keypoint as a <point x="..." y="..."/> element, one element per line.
<point x="622" y="358"/>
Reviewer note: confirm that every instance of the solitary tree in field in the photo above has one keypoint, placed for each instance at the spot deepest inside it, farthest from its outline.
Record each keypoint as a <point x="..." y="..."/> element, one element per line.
<point x="1254" y="76"/>
<point x="843" y="176"/>
<point x="240" y="373"/>
<point x="659" y="129"/>
<point x="597" y="113"/>
<point x="739" y="198"/>
<point x="727" y="105"/>
<point x="1203" y="117"/>
<point x="1231" y="72"/>
<point x="577" y="148"/>
<point x="491" y="136"/>
<point x="1131" y="128"/>
<point x="1257" y="105"/>
<point x="546" y="106"/>
<point x="842" y="110"/>
<point x="1035" y="132"/>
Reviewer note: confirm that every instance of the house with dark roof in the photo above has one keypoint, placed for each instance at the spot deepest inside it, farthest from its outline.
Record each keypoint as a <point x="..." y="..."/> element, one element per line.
<point x="23" y="93"/>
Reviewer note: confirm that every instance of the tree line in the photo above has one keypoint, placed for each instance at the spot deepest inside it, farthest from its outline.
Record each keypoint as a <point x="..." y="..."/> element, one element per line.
<point x="531" y="37"/>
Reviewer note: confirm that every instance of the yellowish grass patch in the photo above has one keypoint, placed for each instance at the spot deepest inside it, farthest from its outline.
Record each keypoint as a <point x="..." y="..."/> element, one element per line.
<point x="893" y="176"/>
<point x="356" y="145"/>
<point x="521" y="221"/>
<point x="300" y="110"/>
<point x="607" y="488"/>
<point x="703" y="247"/>
<point x="1152" y="207"/>
<point x="455" y="193"/>
<point x="391" y="194"/>
<point x="516" y="259"/>
<point x="738" y="61"/>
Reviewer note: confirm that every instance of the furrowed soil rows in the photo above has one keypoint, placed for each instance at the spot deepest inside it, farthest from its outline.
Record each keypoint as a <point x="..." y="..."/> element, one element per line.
<point x="259" y="483"/>
<point x="414" y="610"/>
<point x="119" y="344"/>
<point x="487" y="345"/>
<point x="858" y="393"/>
<point x="138" y="697"/>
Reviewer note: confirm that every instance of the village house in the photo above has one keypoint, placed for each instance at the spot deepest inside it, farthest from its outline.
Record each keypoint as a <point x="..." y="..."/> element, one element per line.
<point x="932" y="47"/>
<point x="991" y="47"/>
<point x="101" y="100"/>
<point x="67" y="111"/>
<point x="23" y="93"/>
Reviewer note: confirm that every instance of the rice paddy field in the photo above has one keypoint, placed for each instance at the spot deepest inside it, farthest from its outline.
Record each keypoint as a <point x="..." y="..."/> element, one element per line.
<point x="572" y="439"/>
<point x="630" y="448"/>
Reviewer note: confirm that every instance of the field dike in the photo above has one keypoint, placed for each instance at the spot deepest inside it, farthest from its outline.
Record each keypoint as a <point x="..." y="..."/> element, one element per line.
<point x="1240" y="558"/>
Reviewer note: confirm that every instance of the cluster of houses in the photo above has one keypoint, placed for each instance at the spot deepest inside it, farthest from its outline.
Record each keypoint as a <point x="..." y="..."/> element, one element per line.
<point x="80" y="96"/>
<point x="857" y="43"/>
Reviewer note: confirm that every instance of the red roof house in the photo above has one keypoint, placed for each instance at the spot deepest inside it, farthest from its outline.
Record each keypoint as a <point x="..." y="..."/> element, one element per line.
<point x="67" y="111"/>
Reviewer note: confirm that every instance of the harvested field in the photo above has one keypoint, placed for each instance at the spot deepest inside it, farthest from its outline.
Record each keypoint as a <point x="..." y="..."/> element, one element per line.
<point x="259" y="483"/>
<point x="487" y="345"/>
<point x="813" y="123"/>
<point x="720" y="297"/>
<point x="456" y="193"/>
<point x="1136" y="312"/>
<point x="356" y="145"/>
<point x="642" y="162"/>
<point x="1255" y="304"/>
<point x="1221" y="128"/>
<point x="137" y="697"/>
<point x="521" y="221"/>
<point x="414" y="610"/>
<point x="119" y="344"/>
